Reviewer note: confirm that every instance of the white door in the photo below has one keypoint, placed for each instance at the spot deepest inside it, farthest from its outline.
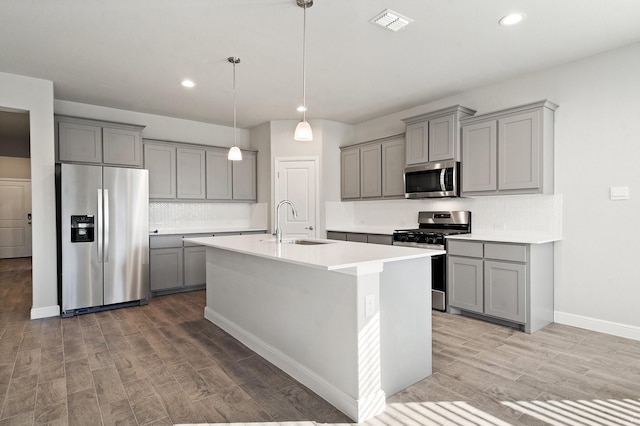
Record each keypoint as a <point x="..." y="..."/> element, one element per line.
<point x="297" y="181"/>
<point x="15" y="220"/>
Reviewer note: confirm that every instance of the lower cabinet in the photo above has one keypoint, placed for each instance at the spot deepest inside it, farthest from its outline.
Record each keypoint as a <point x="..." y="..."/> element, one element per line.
<point x="506" y="281"/>
<point x="360" y="237"/>
<point x="176" y="265"/>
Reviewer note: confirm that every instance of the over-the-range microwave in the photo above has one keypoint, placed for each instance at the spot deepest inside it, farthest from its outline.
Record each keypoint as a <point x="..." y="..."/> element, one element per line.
<point x="432" y="180"/>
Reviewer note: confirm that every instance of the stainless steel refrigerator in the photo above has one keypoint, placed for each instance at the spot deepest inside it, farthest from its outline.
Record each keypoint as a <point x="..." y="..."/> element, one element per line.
<point x="103" y="237"/>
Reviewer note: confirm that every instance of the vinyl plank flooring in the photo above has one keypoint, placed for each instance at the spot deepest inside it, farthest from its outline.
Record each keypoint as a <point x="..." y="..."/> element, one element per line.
<point x="163" y="364"/>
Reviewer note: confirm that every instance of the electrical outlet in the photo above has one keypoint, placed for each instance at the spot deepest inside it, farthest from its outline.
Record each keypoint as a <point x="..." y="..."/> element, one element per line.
<point x="369" y="305"/>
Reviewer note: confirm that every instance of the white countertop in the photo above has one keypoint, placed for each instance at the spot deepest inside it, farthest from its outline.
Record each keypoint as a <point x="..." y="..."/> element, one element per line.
<point x="331" y="256"/>
<point x="504" y="237"/>
<point x="186" y="231"/>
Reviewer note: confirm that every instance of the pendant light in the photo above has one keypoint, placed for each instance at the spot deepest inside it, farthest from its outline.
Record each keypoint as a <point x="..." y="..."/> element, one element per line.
<point x="234" y="152"/>
<point x="303" y="129"/>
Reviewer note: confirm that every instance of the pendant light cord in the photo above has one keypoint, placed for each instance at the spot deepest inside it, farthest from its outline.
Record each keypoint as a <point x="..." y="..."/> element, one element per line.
<point x="235" y="130"/>
<point x="304" y="56"/>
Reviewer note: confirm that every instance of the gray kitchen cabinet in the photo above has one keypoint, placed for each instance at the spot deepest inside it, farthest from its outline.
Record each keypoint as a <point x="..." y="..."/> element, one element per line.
<point x="417" y="135"/>
<point x="160" y="160"/>
<point x="219" y="175"/>
<point x="371" y="171"/>
<point x="191" y="173"/>
<point x="509" y="151"/>
<point x="335" y="235"/>
<point x="80" y="140"/>
<point x="507" y="281"/>
<point x="165" y="268"/>
<point x="244" y="175"/>
<point x="435" y="136"/>
<point x="467" y="285"/>
<point x="360" y="237"/>
<point x="350" y="173"/>
<point x="122" y="147"/>
<point x="195" y="270"/>
<point x="393" y="159"/>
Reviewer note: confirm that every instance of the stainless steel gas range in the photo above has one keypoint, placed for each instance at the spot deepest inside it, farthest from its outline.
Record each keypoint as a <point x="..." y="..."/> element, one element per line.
<point x="432" y="229"/>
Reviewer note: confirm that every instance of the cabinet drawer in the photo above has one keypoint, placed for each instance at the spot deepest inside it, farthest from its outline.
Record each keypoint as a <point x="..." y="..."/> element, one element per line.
<point x="332" y="235"/>
<point x="510" y="252"/>
<point x="188" y="244"/>
<point x="464" y="248"/>
<point x="165" y="241"/>
<point x="359" y="238"/>
<point x="380" y="239"/>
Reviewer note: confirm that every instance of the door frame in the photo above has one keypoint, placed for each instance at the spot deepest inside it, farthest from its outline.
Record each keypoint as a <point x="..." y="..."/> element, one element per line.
<point x="276" y="190"/>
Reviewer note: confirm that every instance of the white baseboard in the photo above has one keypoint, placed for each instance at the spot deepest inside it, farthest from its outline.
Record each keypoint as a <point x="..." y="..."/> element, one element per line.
<point x="336" y="397"/>
<point x="46" y="312"/>
<point x="602" y="326"/>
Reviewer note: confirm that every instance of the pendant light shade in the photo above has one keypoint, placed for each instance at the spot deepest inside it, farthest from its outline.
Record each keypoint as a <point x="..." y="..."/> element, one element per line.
<point x="234" y="152"/>
<point x="303" y="132"/>
<point x="303" y="129"/>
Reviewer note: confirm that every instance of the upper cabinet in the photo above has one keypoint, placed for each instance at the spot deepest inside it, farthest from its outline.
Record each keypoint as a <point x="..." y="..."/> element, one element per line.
<point x="80" y="140"/>
<point x="373" y="169"/>
<point x="435" y="136"/>
<point x="245" y="177"/>
<point x="180" y="171"/>
<point x="509" y="151"/>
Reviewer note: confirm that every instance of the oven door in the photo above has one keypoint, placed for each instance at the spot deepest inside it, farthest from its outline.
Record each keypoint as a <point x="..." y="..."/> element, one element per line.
<point x="431" y="180"/>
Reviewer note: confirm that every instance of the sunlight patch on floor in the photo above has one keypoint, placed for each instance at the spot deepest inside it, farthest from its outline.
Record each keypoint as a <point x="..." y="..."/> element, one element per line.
<point x="597" y="412"/>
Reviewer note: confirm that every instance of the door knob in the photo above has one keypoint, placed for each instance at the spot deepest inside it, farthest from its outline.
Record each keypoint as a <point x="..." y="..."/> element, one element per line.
<point x="29" y="218"/>
<point x="310" y="228"/>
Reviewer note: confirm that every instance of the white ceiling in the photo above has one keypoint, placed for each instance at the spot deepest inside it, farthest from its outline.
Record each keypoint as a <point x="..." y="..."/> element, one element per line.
<point x="133" y="54"/>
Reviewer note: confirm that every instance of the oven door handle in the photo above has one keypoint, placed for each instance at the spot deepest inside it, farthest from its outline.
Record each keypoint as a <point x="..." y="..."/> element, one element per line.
<point x="443" y="174"/>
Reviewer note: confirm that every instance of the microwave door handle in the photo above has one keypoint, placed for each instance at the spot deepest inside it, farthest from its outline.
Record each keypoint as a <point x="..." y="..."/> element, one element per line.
<point x="443" y="174"/>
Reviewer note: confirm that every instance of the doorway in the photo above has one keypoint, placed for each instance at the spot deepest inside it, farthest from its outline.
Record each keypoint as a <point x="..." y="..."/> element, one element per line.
<point x="297" y="180"/>
<point x="15" y="185"/>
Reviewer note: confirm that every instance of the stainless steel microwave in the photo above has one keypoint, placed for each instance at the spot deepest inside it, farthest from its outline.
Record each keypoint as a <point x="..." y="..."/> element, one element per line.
<point x="432" y="180"/>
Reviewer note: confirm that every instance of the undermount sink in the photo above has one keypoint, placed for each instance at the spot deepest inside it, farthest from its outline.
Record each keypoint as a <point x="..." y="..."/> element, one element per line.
<point x="300" y="242"/>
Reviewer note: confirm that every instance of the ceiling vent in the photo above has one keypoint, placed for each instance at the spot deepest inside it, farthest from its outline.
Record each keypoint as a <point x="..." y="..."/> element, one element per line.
<point x="391" y="20"/>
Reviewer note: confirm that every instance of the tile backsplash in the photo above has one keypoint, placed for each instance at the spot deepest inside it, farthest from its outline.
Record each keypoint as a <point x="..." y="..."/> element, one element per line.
<point x="207" y="216"/>
<point x="526" y="214"/>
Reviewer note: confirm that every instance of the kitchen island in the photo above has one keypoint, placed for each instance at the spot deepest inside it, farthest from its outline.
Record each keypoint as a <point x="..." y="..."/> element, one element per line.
<point x="351" y="321"/>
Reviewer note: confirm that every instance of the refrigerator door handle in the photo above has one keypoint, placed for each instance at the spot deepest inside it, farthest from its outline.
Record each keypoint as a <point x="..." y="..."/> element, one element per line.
<point x="99" y="226"/>
<point x="106" y="225"/>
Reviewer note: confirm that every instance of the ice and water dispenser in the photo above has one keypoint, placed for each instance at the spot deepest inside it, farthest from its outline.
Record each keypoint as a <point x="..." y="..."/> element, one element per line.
<point x="82" y="229"/>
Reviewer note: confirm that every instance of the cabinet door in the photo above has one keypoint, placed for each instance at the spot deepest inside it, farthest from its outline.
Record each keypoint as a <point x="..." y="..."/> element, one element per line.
<point x="442" y="138"/>
<point x="219" y="176"/>
<point x="160" y="160"/>
<point x="479" y="157"/>
<point x="350" y="173"/>
<point x="464" y="282"/>
<point x="166" y="268"/>
<point x="191" y="173"/>
<point x="505" y="287"/>
<point x="244" y="177"/>
<point x="371" y="171"/>
<point x="519" y="153"/>
<point x="417" y="136"/>
<point x="121" y="147"/>
<point x="356" y="237"/>
<point x="195" y="266"/>
<point x="79" y="142"/>
<point x="393" y="159"/>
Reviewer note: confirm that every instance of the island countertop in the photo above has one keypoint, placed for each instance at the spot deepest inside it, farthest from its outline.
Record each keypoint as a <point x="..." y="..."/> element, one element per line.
<point x="333" y="255"/>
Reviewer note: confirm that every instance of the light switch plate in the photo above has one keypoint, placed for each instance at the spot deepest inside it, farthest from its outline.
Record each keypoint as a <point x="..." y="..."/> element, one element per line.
<point x="619" y="193"/>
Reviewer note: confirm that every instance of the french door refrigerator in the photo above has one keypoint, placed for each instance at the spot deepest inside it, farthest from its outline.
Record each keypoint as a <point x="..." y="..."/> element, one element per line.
<point x="103" y="237"/>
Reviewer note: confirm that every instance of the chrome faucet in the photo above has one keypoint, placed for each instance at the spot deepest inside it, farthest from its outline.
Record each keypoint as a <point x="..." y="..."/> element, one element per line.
<point x="295" y="215"/>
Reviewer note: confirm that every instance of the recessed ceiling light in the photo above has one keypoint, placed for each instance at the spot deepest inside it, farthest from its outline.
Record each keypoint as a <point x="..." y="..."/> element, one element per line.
<point x="391" y="20"/>
<point x="512" y="19"/>
<point x="187" y="83"/>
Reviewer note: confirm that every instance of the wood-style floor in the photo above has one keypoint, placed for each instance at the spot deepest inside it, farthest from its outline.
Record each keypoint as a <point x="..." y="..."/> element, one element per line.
<point x="164" y="364"/>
